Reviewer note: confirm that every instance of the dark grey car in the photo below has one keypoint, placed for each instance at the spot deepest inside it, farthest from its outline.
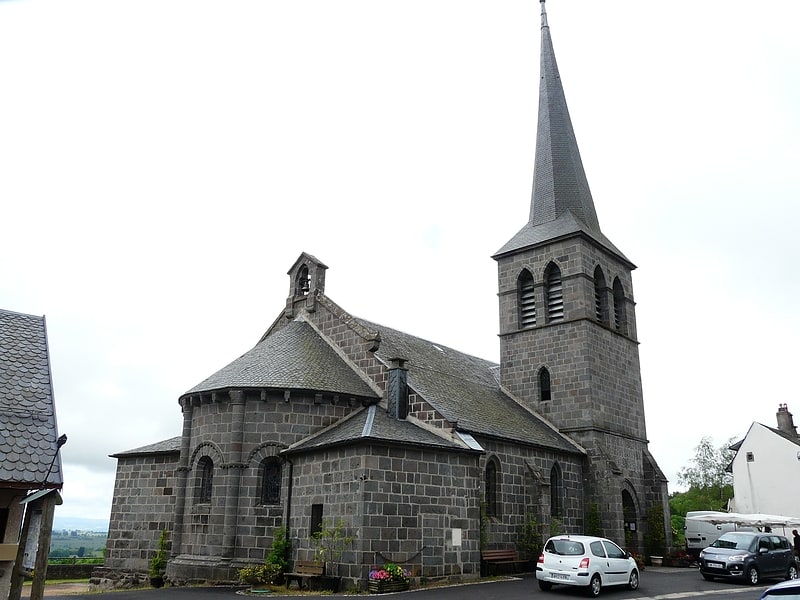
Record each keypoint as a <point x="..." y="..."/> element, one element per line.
<point x="750" y="556"/>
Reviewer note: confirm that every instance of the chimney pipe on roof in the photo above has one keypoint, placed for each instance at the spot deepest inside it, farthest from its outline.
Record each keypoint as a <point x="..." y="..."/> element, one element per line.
<point x="785" y="421"/>
<point x="397" y="389"/>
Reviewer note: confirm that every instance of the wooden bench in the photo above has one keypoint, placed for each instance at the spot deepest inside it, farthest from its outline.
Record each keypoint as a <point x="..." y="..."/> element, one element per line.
<point x="502" y="557"/>
<point x="303" y="569"/>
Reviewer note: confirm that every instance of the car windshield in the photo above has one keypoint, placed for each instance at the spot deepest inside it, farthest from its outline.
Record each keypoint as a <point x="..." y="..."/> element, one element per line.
<point x="565" y="547"/>
<point x="734" y="542"/>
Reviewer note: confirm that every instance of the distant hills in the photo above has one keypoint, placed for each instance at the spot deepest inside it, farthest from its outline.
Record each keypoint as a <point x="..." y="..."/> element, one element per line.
<point x="81" y="524"/>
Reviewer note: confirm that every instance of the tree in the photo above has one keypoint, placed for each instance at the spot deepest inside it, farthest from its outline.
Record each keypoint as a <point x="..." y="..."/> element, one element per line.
<point x="709" y="466"/>
<point x="710" y="484"/>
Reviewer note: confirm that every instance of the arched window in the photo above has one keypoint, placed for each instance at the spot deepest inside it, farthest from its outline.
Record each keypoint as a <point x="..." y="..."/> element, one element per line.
<point x="556" y="492"/>
<point x="492" y="508"/>
<point x="600" y="296"/>
<point x="271" y="481"/>
<point x="526" y="300"/>
<point x="554" y="294"/>
<point x="205" y="468"/>
<point x="544" y="385"/>
<point x="303" y="283"/>
<point x="620" y="321"/>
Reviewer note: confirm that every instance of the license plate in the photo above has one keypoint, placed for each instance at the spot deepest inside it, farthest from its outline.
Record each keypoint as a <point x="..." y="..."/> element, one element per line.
<point x="558" y="576"/>
<point x="715" y="565"/>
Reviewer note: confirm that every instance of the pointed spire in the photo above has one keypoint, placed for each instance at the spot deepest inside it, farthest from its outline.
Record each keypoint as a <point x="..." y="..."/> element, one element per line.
<point x="559" y="182"/>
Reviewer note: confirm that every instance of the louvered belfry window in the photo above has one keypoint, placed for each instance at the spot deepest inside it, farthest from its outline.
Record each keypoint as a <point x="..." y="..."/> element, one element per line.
<point x="620" y="323"/>
<point x="527" y="300"/>
<point x="555" y="295"/>
<point x="600" y="296"/>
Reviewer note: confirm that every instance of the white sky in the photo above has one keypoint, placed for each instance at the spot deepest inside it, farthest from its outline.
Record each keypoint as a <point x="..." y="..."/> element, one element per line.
<point x="164" y="162"/>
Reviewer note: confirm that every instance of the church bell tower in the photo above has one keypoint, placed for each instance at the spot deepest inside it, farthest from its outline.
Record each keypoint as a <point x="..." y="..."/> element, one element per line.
<point x="568" y="340"/>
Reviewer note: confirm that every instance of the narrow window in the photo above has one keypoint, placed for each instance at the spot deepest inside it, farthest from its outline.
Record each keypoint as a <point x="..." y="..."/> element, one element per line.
<point x="206" y="468"/>
<point x="4" y="512"/>
<point x="526" y="300"/>
<point x="555" y="294"/>
<point x="491" y="489"/>
<point x="544" y="385"/>
<point x="316" y="520"/>
<point x="600" y="296"/>
<point x="270" y="481"/>
<point x="556" y="506"/>
<point x="620" y="323"/>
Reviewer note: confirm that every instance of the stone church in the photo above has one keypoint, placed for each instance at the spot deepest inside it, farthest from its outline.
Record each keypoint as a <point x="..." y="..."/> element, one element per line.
<point x="426" y="454"/>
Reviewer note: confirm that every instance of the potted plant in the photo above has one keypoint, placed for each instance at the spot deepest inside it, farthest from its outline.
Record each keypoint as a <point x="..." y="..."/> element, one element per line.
<point x="389" y="578"/>
<point x="330" y="543"/>
<point x="158" y="564"/>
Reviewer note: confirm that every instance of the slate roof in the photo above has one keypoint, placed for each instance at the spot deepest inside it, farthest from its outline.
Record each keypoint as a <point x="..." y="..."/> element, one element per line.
<point x="295" y="357"/>
<point x="466" y="391"/>
<point x="561" y="201"/>
<point x="170" y="446"/>
<point x="27" y="410"/>
<point x="373" y="423"/>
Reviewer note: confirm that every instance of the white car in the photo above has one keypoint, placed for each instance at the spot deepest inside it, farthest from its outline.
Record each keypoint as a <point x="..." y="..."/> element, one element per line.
<point x="586" y="561"/>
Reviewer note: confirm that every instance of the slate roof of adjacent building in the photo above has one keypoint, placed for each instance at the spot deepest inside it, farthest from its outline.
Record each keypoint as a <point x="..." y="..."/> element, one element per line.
<point x="561" y="201"/>
<point x="294" y="357"/>
<point x="27" y="409"/>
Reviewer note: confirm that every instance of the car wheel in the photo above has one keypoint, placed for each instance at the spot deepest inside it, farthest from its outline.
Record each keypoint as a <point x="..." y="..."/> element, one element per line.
<point x="545" y="585"/>
<point x="792" y="572"/>
<point x="633" y="581"/>
<point x="707" y="577"/>
<point x="594" y="586"/>
<point x="752" y="575"/>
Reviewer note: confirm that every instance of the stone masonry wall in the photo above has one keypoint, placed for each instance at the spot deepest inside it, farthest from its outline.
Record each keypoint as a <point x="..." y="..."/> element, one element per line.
<point x="143" y="506"/>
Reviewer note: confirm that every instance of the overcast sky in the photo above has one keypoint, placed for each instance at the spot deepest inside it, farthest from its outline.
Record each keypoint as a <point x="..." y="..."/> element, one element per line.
<point x="164" y="162"/>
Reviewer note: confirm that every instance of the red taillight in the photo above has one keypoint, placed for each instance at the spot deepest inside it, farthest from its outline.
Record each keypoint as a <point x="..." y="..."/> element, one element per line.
<point x="584" y="563"/>
<point x="541" y="558"/>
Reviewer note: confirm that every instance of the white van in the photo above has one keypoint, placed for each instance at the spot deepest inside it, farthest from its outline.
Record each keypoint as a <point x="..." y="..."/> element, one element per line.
<point x="701" y="534"/>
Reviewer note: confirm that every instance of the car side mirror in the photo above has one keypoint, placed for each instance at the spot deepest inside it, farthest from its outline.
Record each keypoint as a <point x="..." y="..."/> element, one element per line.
<point x="627" y="554"/>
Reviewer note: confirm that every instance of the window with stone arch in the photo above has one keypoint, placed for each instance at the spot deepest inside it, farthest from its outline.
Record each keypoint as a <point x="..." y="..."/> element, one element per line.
<point x="492" y="492"/>
<point x="556" y="492"/>
<point x="303" y="283"/>
<point x="526" y="299"/>
<point x="270" y="481"/>
<point x="545" y="394"/>
<point x="620" y="319"/>
<point x="600" y="296"/>
<point x="554" y="293"/>
<point x="205" y="483"/>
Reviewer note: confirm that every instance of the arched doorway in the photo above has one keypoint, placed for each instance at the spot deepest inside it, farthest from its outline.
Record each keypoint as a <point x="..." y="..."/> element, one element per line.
<point x="630" y="525"/>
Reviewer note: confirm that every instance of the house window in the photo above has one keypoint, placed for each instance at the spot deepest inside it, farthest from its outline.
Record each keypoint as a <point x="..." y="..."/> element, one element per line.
<point x="600" y="296"/>
<point x="205" y="467"/>
<point x="750" y="457"/>
<point x="620" y="323"/>
<point x="270" y="481"/>
<point x="3" y="523"/>
<point x="526" y="300"/>
<point x="491" y="489"/>
<point x="544" y="385"/>
<point x="556" y="492"/>
<point x="316" y="520"/>
<point x="554" y="294"/>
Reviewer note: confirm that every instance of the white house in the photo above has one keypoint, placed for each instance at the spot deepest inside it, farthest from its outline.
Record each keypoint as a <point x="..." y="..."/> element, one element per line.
<point x="766" y="469"/>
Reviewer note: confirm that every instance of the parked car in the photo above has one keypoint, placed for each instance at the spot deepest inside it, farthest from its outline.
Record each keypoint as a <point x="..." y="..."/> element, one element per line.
<point x="750" y="556"/>
<point x="785" y="590"/>
<point x="587" y="561"/>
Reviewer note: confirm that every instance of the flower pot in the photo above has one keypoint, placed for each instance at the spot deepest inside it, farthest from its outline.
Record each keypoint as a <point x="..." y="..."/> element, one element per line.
<point x="260" y="588"/>
<point x="383" y="587"/>
<point x="656" y="561"/>
<point x="157" y="581"/>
